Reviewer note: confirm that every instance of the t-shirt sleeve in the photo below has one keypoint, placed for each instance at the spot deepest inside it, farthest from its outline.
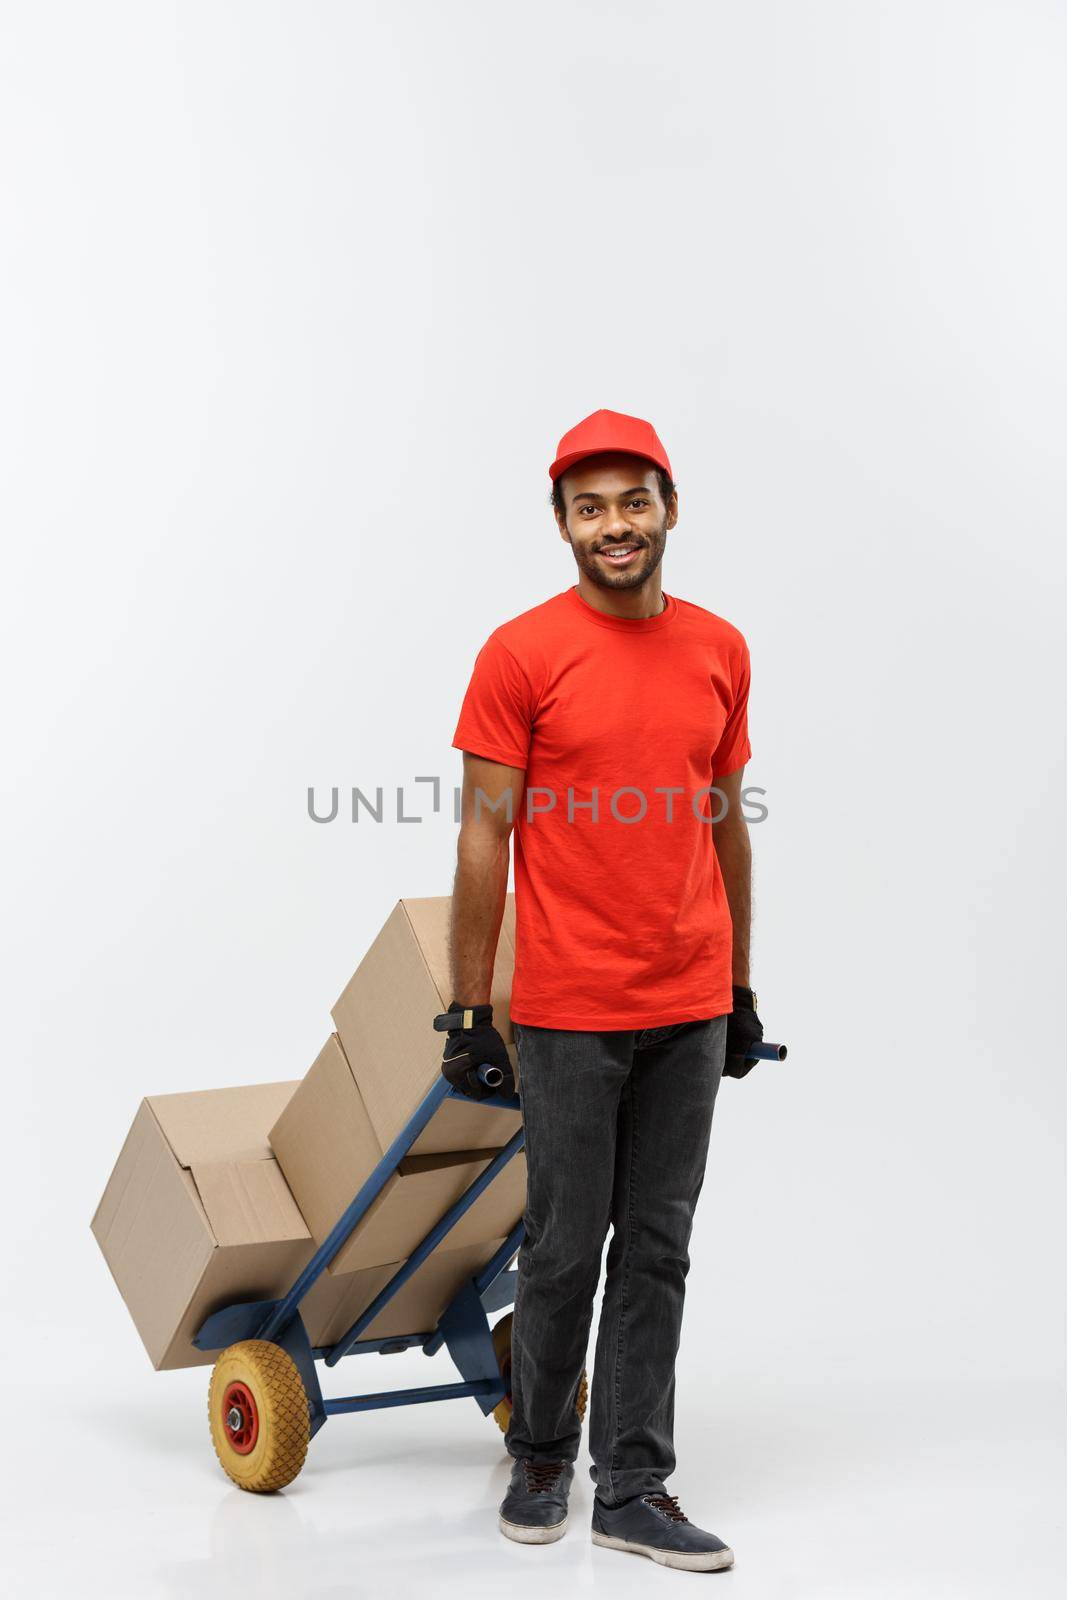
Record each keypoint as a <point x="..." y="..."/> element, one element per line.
<point x="496" y="717"/>
<point x="734" y="749"/>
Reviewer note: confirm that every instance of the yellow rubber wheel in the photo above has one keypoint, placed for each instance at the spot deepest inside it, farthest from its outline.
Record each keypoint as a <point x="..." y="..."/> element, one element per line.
<point x="502" y="1346"/>
<point x="258" y="1410"/>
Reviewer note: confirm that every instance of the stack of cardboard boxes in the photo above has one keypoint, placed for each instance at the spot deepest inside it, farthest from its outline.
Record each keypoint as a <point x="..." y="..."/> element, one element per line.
<point x="222" y="1195"/>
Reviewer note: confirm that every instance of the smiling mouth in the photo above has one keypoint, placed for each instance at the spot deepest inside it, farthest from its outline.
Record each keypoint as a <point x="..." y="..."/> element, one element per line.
<point x="619" y="554"/>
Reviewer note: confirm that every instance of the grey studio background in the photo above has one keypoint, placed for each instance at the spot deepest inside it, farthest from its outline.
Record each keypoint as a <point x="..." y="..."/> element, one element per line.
<point x="297" y="300"/>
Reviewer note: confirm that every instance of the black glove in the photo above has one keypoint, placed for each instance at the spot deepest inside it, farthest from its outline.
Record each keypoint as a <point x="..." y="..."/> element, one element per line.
<point x="480" y="1045"/>
<point x="743" y="1030"/>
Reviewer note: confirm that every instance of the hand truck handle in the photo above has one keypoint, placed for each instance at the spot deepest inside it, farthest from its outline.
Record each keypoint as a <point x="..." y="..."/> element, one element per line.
<point x="767" y="1052"/>
<point x="492" y="1077"/>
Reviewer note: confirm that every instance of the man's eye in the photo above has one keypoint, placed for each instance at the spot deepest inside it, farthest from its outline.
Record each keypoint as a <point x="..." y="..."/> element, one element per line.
<point x="639" y="502"/>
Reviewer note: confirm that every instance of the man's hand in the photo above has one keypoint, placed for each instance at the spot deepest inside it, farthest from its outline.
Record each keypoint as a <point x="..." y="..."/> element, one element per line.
<point x="743" y="1029"/>
<point x="466" y="1049"/>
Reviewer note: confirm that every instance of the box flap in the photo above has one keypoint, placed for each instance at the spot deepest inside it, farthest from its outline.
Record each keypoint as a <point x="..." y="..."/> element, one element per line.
<point x="206" y="1125"/>
<point x="248" y="1202"/>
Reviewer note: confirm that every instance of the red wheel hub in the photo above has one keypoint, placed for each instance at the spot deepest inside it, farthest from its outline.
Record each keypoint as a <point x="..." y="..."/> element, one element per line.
<point x="240" y="1418"/>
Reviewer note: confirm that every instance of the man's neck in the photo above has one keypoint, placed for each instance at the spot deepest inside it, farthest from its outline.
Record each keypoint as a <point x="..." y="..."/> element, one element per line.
<point x="635" y="604"/>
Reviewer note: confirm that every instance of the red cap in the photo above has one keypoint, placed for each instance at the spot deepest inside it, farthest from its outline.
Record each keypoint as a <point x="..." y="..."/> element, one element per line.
<point x="609" y="430"/>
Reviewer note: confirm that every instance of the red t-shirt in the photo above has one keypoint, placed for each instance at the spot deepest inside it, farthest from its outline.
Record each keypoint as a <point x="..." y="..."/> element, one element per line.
<point x="621" y="917"/>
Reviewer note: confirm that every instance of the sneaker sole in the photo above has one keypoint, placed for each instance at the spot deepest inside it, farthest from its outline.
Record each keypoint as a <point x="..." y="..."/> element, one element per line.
<point x="525" y="1533"/>
<point x="687" y="1560"/>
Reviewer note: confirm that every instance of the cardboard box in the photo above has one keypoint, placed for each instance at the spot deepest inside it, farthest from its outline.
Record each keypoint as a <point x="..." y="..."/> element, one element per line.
<point x="197" y="1214"/>
<point x="384" y="1019"/>
<point x="333" y="1304"/>
<point x="327" y="1148"/>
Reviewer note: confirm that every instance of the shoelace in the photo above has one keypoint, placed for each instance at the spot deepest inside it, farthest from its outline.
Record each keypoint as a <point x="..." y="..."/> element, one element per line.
<point x="542" y="1475"/>
<point x="668" y="1504"/>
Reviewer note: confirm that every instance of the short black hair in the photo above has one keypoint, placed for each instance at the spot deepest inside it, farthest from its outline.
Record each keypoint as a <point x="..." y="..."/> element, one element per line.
<point x="667" y="487"/>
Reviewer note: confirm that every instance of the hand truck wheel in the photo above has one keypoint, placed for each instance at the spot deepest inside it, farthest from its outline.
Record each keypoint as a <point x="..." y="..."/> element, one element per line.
<point x="258" y="1411"/>
<point x="502" y="1346"/>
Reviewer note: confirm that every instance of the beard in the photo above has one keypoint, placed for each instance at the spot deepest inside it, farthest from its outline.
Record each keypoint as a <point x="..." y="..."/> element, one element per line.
<point x="644" y="564"/>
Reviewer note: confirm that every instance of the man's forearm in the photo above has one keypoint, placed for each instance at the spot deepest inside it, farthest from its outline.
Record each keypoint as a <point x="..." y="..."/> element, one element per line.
<point x="734" y="850"/>
<point x="479" y="894"/>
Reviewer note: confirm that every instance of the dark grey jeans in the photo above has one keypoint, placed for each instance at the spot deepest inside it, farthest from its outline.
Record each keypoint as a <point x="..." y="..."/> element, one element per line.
<point x="617" y="1127"/>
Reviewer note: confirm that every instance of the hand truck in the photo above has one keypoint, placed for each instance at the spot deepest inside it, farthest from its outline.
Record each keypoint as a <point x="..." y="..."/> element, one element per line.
<point x="264" y="1400"/>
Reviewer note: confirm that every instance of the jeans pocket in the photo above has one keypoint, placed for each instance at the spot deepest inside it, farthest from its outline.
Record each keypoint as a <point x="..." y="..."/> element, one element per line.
<point x="649" y="1036"/>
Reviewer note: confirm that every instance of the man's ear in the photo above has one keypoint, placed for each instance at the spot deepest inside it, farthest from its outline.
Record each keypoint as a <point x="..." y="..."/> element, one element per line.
<point x="561" y="524"/>
<point x="672" y="509"/>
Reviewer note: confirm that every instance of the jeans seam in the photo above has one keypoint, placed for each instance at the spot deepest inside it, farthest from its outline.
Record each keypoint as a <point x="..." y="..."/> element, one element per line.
<point x="623" y="1300"/>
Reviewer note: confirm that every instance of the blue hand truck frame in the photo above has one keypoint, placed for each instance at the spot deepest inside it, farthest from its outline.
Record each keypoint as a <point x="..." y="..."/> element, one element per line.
<point x="463" y="1328"/>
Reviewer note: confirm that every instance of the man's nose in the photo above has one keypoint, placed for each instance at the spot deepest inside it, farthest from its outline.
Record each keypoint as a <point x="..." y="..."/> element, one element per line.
<point x="616" y="526"/>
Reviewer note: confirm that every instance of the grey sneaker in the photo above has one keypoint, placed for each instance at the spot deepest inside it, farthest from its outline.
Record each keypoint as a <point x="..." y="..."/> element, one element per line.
<point x="534" y="1510"/>
<point x="655" y="1525"/>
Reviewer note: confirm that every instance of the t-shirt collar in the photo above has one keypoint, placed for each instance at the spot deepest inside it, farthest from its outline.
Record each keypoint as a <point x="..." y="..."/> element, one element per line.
<point x="623" y="624"/>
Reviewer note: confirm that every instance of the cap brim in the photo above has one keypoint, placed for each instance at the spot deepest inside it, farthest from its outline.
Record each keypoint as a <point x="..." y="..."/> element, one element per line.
<point x="560" y="465"/>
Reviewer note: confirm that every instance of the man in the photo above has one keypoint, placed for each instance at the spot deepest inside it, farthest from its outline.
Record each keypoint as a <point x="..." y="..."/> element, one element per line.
<point x="595" y="724"/>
